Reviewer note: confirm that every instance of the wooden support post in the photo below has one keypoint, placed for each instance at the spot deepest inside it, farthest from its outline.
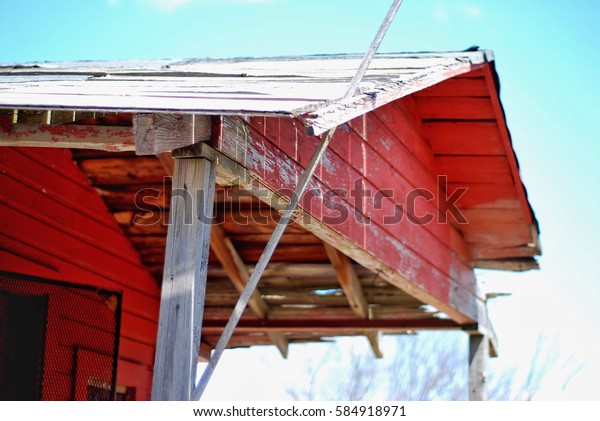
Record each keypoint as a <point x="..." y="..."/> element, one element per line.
<point x="184" y="280"/>
<point x="478" y="358"/>
<point x="235" y="268"/>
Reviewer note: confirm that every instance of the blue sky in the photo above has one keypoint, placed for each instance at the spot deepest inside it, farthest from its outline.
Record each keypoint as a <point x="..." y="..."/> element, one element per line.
<point x="547" y="59"/>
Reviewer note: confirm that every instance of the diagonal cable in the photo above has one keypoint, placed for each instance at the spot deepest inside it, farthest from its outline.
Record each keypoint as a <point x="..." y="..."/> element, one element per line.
<point x="287" y="214"/>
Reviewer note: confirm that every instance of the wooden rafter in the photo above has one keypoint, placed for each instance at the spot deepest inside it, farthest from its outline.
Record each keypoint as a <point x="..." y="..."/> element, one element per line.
<point x="239" y="274"/>
<point x="339" y="326"/>
<point x="353" y="290"/>
<point x="348" y="280"/>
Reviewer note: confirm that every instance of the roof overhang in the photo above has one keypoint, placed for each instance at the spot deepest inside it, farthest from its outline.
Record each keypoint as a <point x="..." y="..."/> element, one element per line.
<point x="308" y="87"/>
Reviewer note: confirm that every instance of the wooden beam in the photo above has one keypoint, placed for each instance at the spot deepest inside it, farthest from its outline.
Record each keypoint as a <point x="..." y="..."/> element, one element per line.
<point x="184" y="280"/>
<point x="478" y="359"/>
<point x="204" y="352"/>
<point x="156" y="133"/>
<point x="235" y="268"/>
<point x="374" y="338"/>
<point x="238" y="273"/>
<point x="516" y="265"/>
<point x="353" y="290"/>
<point x="74" y="136"/>
<point x="342" y="325"/>
<point x="348" y="280"/>
<point x="167" y="161"/>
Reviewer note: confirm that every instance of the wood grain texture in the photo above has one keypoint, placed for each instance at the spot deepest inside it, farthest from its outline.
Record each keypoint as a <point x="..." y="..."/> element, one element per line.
<point x="349" y="281"/>
<point x="106" y="138"/>
<point x="341" y="325"/>
<point x="291" y="86"/>
<point x="478" y="367"/>
<point x="184" y="280"/>
<point x="157" y="133"/>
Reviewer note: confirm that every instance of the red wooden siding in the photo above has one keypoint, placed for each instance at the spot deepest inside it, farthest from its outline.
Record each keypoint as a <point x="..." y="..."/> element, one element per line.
<point x="386" y="154"/>
<point x="53" y="224"/>
<point x="463" y="122"/>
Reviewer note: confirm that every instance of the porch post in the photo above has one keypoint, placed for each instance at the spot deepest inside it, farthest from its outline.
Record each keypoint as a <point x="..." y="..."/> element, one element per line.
<point x="478" y="360"/>
<point x="184" y="279"/>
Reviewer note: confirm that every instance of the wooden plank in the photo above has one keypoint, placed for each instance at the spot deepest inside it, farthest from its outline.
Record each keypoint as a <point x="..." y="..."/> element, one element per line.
<point x="474" y="169"/>
<point x="184" y="280"/>
<point x="157" y="133"/>
<point x="464" y="137"/>
<point x="52" y="210"/>
<point x="286" y="253"/>
<point x="491" y="195"/>
<point x="47" y="172"/>
<point x="205" y="351"/>
<point x="374" y="338"/>
<point x="455" y="108"/>
<point x="236" y="269"/>
<point x="457" y="87"/>
<point x="353" y="291"/>
<point x="514" y="264"/>
<point x="349" y="281"/>
<point x="167" y="161"/>
<point x="123" y="171"/>
<point x="478" y="370"/>
<point x="339" y="325"/>
<point x="492" y="251"/>
<point x="151" y="197"/>
<point x="238" y="273"/>
<point x="106" y="138"/>
<point x="405" y="126"/>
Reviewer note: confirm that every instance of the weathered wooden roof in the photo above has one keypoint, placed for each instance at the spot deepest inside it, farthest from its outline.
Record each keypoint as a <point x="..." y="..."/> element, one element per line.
<point x="433" y="114"/>
<point x="308" y="87"/>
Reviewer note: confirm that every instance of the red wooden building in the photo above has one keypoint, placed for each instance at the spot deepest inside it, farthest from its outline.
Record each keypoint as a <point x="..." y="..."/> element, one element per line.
<point x="419" y="186"/>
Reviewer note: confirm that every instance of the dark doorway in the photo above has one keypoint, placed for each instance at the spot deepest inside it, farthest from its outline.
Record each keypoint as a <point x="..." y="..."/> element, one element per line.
<point x="22" y="339"/>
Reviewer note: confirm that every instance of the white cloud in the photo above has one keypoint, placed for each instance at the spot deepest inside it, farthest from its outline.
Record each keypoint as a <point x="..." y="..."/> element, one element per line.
<point x="470" y="11"/>
<point x="446" y="11"/>
<point x="440" y="13"/>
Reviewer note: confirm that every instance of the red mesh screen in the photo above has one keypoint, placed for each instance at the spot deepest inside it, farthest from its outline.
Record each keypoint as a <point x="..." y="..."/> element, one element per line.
<point x="58" y="341"/>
